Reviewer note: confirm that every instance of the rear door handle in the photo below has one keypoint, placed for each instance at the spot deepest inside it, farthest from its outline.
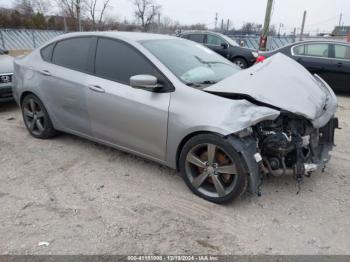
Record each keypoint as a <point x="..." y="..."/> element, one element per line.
<point x="340" y="64"/>
<point x="96" y="88"/>
<point x="45" y="72"/>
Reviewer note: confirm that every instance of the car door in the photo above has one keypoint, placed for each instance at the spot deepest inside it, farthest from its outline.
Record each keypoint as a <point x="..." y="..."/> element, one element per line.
<point x="133" y="119"/>
<point x="341" y="67"/>
<point x="315" y="57"/>
<point x="216" y="43"/>
<point x="62" y="82"/>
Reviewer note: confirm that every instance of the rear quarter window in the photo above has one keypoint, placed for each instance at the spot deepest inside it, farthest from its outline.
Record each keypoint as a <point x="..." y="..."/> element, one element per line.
<point x="46" y="52"/>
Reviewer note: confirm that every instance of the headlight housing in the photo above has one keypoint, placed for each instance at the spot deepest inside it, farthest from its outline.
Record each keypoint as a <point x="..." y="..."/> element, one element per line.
<point x="255" y="54"/>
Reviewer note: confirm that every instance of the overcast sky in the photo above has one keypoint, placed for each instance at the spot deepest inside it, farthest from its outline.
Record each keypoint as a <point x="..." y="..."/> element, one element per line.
<point x="323" y="15"/>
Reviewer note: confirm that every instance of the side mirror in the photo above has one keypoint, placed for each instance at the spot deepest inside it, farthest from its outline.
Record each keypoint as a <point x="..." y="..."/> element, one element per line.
<point x="224" y="45"/>
<point x="146" y="82"/>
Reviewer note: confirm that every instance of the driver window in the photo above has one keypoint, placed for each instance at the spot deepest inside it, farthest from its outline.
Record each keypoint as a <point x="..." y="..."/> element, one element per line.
<point x="342" y="52"/>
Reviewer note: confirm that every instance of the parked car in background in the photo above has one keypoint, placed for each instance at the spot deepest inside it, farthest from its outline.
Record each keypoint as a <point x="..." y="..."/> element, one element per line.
<point x="225" y="46"/>
<point x="6" y="74"/>
<point x="328" y="59"/>
<point x="180" y="104"/>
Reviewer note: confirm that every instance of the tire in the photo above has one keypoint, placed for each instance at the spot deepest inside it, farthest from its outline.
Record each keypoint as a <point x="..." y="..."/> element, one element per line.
<point x="241" y="62"/>
<point x="36" y="118"/>
<point x="202" y="176"/>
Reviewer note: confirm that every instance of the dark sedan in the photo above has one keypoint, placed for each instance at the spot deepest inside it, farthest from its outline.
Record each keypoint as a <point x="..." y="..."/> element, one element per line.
<point x="328" y="59"/>
<point x="225" y="46"/>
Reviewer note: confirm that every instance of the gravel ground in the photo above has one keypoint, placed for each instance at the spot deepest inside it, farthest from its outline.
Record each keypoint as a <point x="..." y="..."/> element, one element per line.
<point x="84" y="198"/>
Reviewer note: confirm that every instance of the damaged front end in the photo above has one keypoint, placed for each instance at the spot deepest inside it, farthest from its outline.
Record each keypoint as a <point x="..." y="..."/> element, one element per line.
<point x="289" y="145"/>
<point x="292" y="146"/>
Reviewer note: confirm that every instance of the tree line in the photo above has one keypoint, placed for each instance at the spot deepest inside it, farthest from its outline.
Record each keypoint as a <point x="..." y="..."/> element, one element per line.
<point x="88" y="15"/>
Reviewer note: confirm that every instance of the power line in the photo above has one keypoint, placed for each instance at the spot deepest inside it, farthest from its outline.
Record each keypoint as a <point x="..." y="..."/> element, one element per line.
<point x="323" y="21"/>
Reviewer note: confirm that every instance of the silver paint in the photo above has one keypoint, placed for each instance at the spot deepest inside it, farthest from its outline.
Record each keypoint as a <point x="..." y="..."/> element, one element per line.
<point x="153" y="125"/>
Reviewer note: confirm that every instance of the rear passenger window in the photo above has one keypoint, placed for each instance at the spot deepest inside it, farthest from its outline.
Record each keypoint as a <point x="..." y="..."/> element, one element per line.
<point x="72" y="53"/>
<point x="196" y="38"/>
<point x="118" y="61"/>
<point x="320" y="50"/>
<point x="46" y="52"/>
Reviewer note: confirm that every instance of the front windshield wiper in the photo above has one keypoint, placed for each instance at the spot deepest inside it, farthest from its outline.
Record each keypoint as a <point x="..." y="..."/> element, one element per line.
<point x="208" y="62"/>
<point x="199" y="84"/>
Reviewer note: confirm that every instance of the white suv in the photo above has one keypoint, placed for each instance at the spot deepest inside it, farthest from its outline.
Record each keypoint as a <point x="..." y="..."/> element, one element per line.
<point x="6" y="74"/>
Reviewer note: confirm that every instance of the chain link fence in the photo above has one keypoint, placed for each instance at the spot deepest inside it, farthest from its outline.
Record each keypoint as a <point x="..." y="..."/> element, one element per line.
<point x="25" y="39"/>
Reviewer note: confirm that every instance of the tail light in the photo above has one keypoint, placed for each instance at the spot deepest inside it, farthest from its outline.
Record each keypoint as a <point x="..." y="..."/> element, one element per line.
<point x="260" y="59"/>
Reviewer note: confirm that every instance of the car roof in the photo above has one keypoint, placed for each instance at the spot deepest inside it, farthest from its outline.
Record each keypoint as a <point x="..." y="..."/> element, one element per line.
<point x="128" y="36"/>
<point x="321" y="41"/>
<point x="325" y="41"/>
<point x="201" y="32"/>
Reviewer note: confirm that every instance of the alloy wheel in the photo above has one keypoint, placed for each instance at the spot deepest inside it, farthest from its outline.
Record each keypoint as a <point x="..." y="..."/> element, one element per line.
<point x="34" y="117"/>
<point x="211" y="170"/>
<point x="240" y="64"/>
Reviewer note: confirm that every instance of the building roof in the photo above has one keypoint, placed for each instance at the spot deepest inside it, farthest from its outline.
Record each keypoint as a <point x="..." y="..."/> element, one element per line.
<point x="341" y="31"/>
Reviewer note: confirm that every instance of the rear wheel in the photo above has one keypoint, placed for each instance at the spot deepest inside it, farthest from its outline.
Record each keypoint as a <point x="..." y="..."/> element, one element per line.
<point x="36" y="118"/>
<point x="241" y="62"/>
<point x="212" y="168"/>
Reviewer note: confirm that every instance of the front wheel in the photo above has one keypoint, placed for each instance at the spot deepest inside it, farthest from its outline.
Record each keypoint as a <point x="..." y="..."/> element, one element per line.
<point x="36" y="118"/>
<point x="212" y="168"/>
<point x="242" y="63"/>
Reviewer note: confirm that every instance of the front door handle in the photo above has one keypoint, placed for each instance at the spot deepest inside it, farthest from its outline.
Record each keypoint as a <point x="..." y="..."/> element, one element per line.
<point x="96" y="88"/>
<point x="45" y="72"/>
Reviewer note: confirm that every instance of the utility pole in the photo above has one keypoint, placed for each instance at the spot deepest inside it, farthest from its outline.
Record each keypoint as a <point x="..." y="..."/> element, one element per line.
<point x="65" y="24"/>
<point x="216" y="21"/>
<point x="303" y="26"/>
<point x="266" y="29"/>
<point x="295" y="34"/>
<point x="78" y="8"/>
<point x="279" y="29"/>
<point x="340" y="19"/>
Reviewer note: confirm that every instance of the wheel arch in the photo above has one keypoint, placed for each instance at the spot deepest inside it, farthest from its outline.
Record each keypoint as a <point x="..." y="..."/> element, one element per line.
<point x="50" y="113"/>
<point x="24" y="94"/>
<point x="186" y="139"/>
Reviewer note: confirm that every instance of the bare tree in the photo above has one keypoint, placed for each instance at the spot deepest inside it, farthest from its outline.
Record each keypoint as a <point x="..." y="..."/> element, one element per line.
<point x="97" y="16"/>
<point x="72" y="9"/>
<point x="145" y="12"/>
<point x="24" y="7"/>
<point x="41" y="6"/>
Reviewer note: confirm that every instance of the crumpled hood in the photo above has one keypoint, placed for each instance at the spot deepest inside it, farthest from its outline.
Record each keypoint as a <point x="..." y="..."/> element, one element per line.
<point x="283" y="83"/>
<point x="6" y="64"/>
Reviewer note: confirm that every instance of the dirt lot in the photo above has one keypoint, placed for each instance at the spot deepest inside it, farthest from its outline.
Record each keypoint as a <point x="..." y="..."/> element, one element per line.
<point x="85" y="198"/>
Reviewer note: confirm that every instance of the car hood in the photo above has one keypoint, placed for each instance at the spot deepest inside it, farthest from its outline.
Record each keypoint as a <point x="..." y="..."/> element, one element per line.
<point x="6" y="64"/>
<point x="282" y="83"/>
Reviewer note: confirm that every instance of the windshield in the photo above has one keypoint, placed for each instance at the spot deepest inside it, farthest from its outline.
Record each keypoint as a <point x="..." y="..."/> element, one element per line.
<point x="230" y="40"/>
<point x="192" y="63"/>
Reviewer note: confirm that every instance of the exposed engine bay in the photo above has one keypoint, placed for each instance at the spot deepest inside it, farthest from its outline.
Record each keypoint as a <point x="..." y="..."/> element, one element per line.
<point x="290" y="145"/>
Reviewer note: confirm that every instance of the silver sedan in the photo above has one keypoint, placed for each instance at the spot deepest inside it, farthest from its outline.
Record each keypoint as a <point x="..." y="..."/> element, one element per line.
<point x="180" y="104"/>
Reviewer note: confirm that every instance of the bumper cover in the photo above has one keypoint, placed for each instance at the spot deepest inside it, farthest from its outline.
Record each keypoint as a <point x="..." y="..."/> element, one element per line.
<point x="6" y="93"/>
